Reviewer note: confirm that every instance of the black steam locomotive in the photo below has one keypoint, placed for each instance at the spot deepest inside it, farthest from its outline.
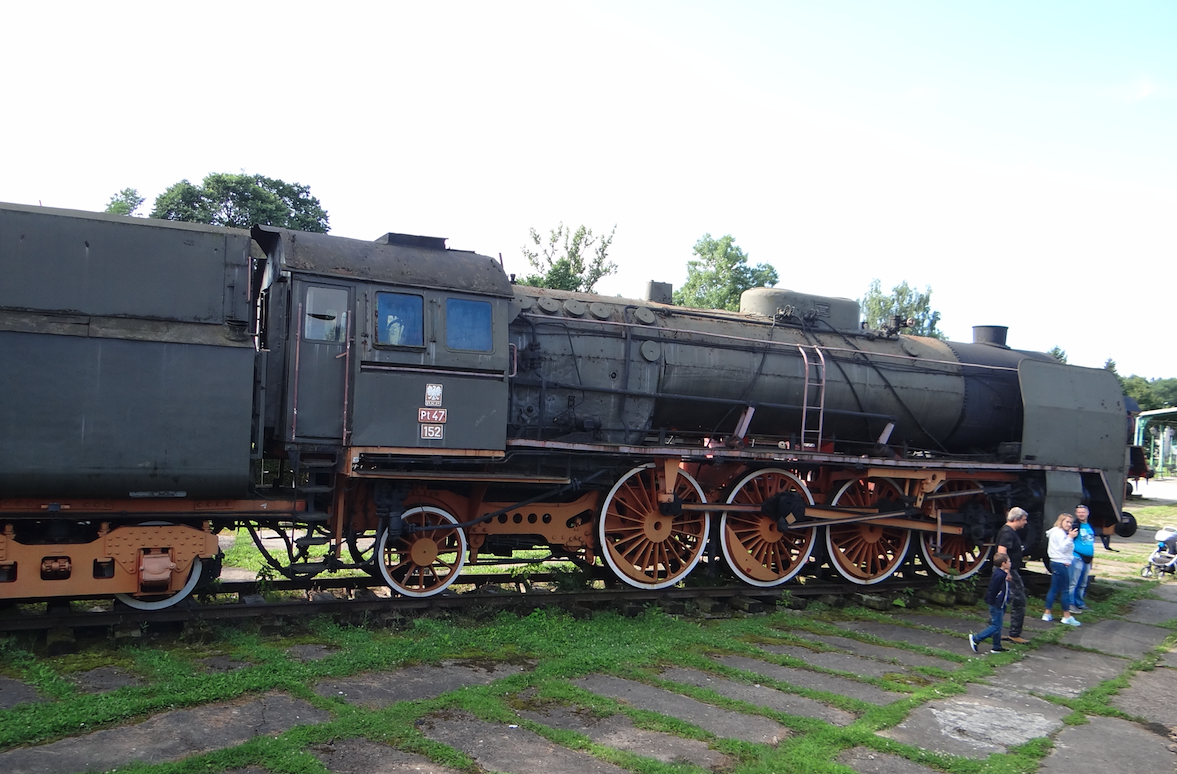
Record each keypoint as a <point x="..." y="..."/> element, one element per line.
<point x="404" y="408"/>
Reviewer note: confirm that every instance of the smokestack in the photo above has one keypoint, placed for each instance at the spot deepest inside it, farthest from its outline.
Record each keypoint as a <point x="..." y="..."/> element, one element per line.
<point x="990" y="334"/>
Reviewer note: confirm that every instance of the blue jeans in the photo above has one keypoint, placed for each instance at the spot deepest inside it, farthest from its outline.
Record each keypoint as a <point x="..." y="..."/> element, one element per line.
<point x="1079" y="573"/>
<point x="996" y="614"/>
<point x="1060" y="583"/>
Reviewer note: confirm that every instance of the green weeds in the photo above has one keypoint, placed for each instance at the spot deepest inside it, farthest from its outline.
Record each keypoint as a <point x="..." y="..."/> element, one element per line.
<point x="557" y="649"/>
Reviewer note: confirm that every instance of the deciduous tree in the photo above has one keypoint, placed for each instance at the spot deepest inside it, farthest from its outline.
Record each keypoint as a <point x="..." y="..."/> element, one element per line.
<point x="241" y="201"/>
<point x="568" y="260"/>
<point x="879" y="309"/>
<point x="125" y="202"/>
<point x="719" y="274"/>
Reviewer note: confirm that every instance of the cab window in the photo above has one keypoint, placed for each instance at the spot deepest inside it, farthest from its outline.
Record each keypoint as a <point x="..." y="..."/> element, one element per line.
<point x="467" y="325"/>
<point x="399" y="320"/>
<point x="325" y="315"/>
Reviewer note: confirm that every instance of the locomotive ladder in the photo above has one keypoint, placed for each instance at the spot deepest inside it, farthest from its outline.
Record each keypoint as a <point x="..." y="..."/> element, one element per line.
<point x="318" y="488"/>
<point x="813" y="398"/>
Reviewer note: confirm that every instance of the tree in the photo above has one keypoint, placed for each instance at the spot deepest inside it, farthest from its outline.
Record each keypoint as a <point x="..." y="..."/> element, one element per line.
<point x="570" y="260"/>
<point x="719" y="274"/>
<point x="241" y="201"/>
<point x="1110" y="365"/>
<point x="1141" y="390"/>
<point x="125" y="202"/>
<point x="879" y="311"/>
<point x="1058" y="353"/>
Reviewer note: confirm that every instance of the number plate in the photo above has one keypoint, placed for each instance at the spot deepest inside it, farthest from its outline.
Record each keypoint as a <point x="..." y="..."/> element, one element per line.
<point x="434" y="416"/>
<point x="432" y="432"/>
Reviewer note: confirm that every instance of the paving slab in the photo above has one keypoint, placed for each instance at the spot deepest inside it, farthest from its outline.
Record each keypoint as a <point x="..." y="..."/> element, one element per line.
<point x="170" y="736"/>
<point x="376" y="690"/>
<point x="503" y="748"/>
<point x="104" y="679"/>
<point x="721" y="722"/>
<point x="962" y="626"/>
<point x="817" y="681"/>
<point x="762" y="696"/>
<point x="1109" y="745"/>
<point x="310" y="652"/>
<point x="910" y="635"/>
<point x="1119" y="638"/>
<point x="1168" y="659"/>
<point x="867" y="761"/>
<point x="884" y="653"/>
<point x="843" y="662"/>
<point x="619" y="732"/>
<point x="1151" y="611"/>
<point x="978" y="723"/>
<point x="1166" y="591"/>
<point x="222" y="664"/>
<point x="1058" y="671"/>
<point x="13" y="692"/>
<point x="363" y="756"/>
<point x="1150" y="695"/>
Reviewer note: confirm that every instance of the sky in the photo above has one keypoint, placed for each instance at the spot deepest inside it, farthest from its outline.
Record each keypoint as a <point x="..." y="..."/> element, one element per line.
<point x="1018" y="158"/>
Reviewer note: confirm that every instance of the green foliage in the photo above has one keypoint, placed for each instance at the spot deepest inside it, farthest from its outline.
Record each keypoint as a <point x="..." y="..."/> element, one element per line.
<point x="125" y="202"/>
<point x="558" y="649"/>
<point x="242" y="201"/>
<point x="569" y="260"/>
<point x="880" y="310"/>
<point x="1151" y="394"/>
<point x="1058" y="353"/>
<point x="719" y="274"/>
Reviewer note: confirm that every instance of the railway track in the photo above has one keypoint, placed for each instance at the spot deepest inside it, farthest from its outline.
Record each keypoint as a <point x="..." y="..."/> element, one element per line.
<point x="249" y="604"/>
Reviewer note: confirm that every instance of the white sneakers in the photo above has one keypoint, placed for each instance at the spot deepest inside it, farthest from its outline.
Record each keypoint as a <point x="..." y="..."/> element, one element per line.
<point x="1069" y="620"/>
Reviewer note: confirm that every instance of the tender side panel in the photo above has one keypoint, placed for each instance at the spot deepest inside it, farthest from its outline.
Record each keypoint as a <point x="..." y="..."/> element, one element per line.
<point x="125" y="364"/>
<point x="85" y="263"/>
<point x="94" y="417"/>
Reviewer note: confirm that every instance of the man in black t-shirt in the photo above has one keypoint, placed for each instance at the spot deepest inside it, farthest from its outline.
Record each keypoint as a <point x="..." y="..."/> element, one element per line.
<point x="1010" y="542"/>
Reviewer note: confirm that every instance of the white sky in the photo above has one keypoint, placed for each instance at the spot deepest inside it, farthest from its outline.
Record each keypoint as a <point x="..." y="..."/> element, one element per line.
<point x="1022" y="161"/>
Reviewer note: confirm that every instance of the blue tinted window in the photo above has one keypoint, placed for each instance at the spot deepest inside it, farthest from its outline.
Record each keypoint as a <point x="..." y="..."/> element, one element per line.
<point x="467" y="325"/>
<point x="399" y="320"/>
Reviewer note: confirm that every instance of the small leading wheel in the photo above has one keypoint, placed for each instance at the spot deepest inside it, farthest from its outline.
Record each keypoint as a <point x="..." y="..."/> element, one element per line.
<point x="958" y="556"/>
<point x="161" y="601"/>
<point x="643" y="547"/>
<point x="1147" y="571"/>
<point x="866" y="553"/>
<point x="758" y="552"/>
<point x="425" y="562"/>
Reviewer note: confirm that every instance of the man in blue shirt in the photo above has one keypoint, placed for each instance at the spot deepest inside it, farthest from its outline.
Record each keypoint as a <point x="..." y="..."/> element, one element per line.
<point x="1081" y="565"/>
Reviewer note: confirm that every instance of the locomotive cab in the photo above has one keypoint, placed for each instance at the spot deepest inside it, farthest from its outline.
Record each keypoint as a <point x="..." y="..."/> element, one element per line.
<point x="391" y="346"/>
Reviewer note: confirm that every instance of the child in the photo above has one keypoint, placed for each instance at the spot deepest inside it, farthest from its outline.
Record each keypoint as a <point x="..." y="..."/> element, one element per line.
<point x="996" y="597"/>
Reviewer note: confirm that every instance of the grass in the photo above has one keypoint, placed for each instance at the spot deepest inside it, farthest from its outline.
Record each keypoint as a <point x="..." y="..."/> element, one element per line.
<point x="559" y="648"/>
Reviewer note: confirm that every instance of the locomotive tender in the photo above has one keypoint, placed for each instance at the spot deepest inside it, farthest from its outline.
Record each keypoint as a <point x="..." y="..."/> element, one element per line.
<point x="404" y="408"/>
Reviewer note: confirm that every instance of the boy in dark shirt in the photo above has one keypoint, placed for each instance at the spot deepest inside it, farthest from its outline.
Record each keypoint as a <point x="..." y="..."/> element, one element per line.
<point x="996" y="597"/>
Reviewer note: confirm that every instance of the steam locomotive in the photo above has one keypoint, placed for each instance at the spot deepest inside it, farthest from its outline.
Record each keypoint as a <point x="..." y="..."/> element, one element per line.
<point x="405" y="409"/>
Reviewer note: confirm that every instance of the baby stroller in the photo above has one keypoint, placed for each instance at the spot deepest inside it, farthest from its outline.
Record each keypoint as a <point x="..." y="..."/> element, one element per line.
<point x="1164" y="559"/>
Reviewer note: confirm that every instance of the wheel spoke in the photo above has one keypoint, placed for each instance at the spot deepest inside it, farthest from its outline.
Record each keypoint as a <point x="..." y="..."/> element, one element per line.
<point x="644" y="547"/>
<point x="426" y="562"/>
<point x="957" y="556"/>
<point x="866" y="553"/>
<point x="756" y="551"/>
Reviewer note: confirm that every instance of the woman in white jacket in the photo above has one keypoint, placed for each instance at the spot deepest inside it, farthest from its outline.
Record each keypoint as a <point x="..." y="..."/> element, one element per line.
<point x="1061" y="551"/>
